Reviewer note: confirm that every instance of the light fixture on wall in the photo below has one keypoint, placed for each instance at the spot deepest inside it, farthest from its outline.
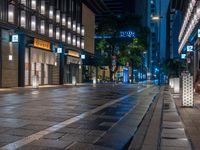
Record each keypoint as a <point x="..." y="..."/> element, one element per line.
<point x="10" y="57"/>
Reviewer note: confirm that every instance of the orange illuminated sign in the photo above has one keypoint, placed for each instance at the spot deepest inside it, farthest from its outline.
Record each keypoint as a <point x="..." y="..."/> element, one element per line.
<point x="73" y="53"/>
<point x="42" y="44"/>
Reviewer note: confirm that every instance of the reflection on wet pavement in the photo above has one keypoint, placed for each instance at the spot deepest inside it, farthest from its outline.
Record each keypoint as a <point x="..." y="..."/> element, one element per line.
<point x="67" y="118"/>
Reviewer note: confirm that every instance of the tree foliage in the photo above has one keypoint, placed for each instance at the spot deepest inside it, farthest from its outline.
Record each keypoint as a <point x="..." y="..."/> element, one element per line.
<point x="127" y="50"/>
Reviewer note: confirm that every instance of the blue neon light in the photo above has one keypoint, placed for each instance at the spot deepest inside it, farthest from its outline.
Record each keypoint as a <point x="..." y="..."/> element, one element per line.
<point x="125" y="75"/>
<point x="127" y="34"/>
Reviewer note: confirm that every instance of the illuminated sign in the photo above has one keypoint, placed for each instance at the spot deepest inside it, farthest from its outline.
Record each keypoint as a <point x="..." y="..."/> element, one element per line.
<point x="198" y="33"/>
<point x="189" y="48"/>
<point x="15" y="38"/>
<point x="183" y="56"/>
<point x="42" y="44"/>
<point x="73" y="53"/>
<point x="127" y="34"/>
<point x="82" y="56"/>
<point x="59" y="50"/>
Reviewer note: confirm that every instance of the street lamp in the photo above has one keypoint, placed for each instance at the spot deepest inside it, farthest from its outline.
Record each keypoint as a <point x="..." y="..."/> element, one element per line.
<point x="157" y="19"/>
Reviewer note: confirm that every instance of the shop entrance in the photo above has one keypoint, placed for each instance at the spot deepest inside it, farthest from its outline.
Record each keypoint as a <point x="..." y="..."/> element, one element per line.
<point x="71" y="70"/>
<point x="39" y="64"/>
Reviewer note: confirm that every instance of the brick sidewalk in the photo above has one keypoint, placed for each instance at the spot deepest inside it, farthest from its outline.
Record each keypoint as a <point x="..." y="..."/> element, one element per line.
<point x="163" y="128"/>
<point x="191" y="120"/>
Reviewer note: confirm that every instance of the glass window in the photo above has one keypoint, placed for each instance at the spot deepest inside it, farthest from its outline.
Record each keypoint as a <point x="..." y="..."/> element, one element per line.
<point x="50" y="30"/>
<point x="51" y="12"/>
<point x="11" y="13"/>
<point x="33" y="4"/>
<point x="33" y="23"/>
<point x="23" y="19"/>
<point x="23" y="2"/>
<point x="57" y="33"/>
<point x="43" y="7"/>
<point x="42" y="27"/>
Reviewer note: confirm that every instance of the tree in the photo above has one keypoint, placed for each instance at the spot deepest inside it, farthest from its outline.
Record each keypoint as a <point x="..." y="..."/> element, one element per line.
<point x="126" y="49"/>
<point x="172" y="67"/>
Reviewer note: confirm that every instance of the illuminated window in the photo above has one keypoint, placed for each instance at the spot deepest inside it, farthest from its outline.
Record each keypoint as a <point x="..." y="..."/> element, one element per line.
<point x="50" y="30"/>
<point x="51" y="12"/>
<point x="43" y="7"/>
<point x="69" y="22"/>
<point x="82" y="44"/>
<point x="78" y="42"/>
<point x="78" y="28"/>
<point x="23" y="2"/>
<point x="33" y="4"/>
<point x="63" y="36"/>
<point x="23" y="19"/>
<point x="57" y="33"/>
<point x="69" y="38"/>
<point x="33" y="23"/>
<point x="57" y="16"/>
<point x="63" y="19"/>
<point x="82" y="31"/>
<point x="74" y="26"/>
<point x="11" y="13"/>
<point x="74" y="40"/>
<point x="42" y="27"/>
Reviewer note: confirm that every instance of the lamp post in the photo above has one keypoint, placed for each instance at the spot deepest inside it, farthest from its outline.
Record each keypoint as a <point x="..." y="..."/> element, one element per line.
<point x="157" y="19"/>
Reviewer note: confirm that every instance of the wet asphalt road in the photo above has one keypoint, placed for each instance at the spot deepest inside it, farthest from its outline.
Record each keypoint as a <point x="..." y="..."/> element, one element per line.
<point x="84" y="117"/>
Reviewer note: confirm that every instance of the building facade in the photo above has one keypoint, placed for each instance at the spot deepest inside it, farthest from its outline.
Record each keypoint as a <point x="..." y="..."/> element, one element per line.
<point x="43" y="39"/>
<point x="189" y="36"/>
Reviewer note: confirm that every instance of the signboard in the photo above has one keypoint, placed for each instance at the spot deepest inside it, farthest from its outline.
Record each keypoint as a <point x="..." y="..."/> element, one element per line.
<point x="59" y="50"/>
<point x="82" y="56"/>
<point x="73" y="53"/>
<point x="198" y="33"/>
<point x="42" y="44"/>
<point x="127" y="34"/>
<point x="125" y="75"/>
<point x="15" y="38"/>
<point x="183" y="56"/>
<point x="189" y="48"/>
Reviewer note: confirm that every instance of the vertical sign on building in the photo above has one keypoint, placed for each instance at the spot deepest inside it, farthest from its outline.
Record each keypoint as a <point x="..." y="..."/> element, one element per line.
<point x="198" y="33"/>
<point x="187" y="92"/>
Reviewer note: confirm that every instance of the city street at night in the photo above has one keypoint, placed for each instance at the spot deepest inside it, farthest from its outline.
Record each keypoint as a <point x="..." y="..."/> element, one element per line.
<point x="80" y="117"/>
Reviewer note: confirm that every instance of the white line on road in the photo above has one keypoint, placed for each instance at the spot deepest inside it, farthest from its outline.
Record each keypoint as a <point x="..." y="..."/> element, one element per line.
<point x="38" y="135"/>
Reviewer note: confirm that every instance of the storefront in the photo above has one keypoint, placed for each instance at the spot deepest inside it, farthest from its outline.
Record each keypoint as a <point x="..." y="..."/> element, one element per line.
<point x="73" y="70"/>
<point x="40" y="62"/>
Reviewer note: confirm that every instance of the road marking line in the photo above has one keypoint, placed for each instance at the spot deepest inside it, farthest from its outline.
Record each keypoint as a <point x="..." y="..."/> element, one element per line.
<point x="63" y="124"/>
